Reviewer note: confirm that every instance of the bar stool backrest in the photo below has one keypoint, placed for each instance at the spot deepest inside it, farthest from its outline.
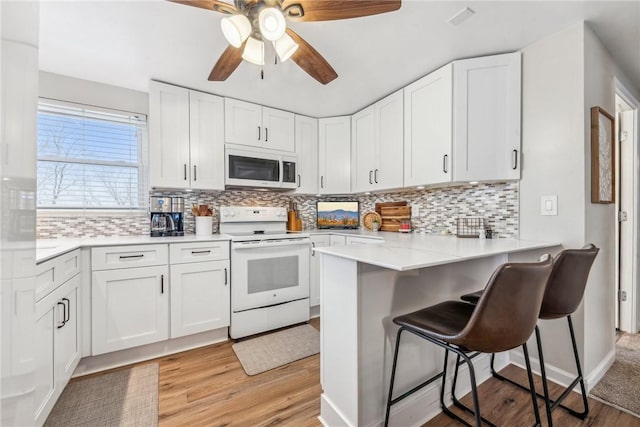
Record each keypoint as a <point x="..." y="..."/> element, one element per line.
<point x="507" y="312"/>
<point x="567" y="282"/>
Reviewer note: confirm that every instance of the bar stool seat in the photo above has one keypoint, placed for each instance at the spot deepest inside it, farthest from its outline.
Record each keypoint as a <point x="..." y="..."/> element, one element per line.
<point x="503" y="319"/>
<point x="562" y="297"/>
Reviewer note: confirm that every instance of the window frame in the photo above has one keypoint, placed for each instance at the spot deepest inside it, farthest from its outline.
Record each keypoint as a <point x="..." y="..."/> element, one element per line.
<point x="142" y="166"/>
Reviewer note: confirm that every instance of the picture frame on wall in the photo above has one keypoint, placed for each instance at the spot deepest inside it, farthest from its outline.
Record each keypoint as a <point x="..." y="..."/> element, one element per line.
<point x="603" y="178"/>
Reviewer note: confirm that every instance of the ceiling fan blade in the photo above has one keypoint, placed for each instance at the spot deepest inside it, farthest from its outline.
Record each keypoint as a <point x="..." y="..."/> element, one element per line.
<point x="227" y="64"/>
<point x="328" y="10"/>
<point x="311" y="61"/>
<point x="215" y="5"/>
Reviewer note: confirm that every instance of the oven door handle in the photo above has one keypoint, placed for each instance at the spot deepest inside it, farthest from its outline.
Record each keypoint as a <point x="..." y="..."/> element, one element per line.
<point x="281" y="243"/>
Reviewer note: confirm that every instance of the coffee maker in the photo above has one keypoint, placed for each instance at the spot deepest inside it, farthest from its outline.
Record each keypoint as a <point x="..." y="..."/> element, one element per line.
<point x="167" y="216"/>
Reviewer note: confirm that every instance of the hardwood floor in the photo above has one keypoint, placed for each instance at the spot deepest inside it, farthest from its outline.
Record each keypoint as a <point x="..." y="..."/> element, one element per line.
<point x="208" y="387"/>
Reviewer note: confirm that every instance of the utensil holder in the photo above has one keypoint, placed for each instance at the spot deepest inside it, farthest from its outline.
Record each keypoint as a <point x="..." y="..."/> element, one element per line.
<point x="204" y="225"/>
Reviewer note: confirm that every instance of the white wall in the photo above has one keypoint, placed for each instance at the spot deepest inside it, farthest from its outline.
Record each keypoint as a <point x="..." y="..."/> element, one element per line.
<point x="553" y="159"/>
<point x="56" y="86"/>
<point x="564" y="75"/>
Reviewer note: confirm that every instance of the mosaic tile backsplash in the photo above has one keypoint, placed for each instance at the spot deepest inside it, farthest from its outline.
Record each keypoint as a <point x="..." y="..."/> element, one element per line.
<point x="438" y="210"/>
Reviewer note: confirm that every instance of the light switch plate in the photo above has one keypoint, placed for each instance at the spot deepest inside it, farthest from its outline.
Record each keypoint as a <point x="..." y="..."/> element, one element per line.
<point x="415" y="210"/>
<point x="549" y="205"/>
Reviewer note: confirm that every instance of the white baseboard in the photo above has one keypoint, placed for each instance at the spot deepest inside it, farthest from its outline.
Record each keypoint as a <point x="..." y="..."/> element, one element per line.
<point x="598" y="372"/>
<point x="92" y="364"/>
<point x="562" y="377"/>
<point x="314" y="311"/>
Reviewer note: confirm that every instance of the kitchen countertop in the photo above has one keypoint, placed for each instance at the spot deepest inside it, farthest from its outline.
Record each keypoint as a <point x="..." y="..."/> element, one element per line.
<point x="413" y="251"/>
<point x="51" y="248"/>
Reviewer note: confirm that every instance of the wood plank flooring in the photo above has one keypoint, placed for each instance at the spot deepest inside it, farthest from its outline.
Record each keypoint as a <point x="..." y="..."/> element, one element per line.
<point x="208" y="387"/>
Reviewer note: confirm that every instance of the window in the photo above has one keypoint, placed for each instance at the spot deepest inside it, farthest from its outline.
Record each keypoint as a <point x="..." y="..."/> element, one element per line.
<point x="90" y="158"/>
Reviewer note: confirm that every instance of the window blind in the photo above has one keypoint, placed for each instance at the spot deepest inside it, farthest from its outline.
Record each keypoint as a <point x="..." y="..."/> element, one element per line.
<point x="91" y="158"/>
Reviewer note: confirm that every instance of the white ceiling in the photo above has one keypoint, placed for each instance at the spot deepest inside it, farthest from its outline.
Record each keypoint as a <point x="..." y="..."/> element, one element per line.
<point x="126" y="43"/>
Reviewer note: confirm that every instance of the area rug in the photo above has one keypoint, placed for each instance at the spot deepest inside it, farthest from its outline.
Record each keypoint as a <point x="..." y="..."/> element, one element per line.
<point x="269" y="351"/>
<point x="619" y="386"/>
<point x="123" y="398"/>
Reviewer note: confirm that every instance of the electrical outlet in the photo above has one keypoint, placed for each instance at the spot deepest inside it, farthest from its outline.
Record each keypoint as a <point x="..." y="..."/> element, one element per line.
<point x="549" y="205"/>
<point x="415" y="210"/>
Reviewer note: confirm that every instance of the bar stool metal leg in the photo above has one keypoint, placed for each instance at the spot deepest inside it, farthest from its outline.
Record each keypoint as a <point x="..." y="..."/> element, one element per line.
<point x="532" y="387"/>
<point x="543" y="374"/>
<point x="393" y="376"/>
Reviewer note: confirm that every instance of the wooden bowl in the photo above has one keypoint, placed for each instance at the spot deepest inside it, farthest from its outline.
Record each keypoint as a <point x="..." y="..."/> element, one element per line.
<point x="368" y="218"/>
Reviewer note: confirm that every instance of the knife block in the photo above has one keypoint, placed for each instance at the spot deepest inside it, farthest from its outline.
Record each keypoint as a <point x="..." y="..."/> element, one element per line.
<point x="294" y="222"/>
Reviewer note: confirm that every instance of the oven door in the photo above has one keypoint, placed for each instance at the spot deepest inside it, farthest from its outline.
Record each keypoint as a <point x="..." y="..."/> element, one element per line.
<point x="269" y="272"/>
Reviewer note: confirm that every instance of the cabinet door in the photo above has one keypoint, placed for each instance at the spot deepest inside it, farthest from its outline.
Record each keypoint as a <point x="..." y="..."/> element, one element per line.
<point x="307" y="152"/>
<point x="363" y="241"/>
<point x="168" y="136"/>
<point x="427" y="129"/>
<point x="487" y="118"/>
<point x="334" y="155"/>
<point x="279" y="129"/>
<point x="337" y="240"/>
<point x="314" y="269"/>
<point x="206" y="126"/>
<point x="67" y="340"/>
<point x="48" y="316"/>
<point x="363" y="150"/>
<point x="200" y="299"/>
<point x="389" y="168"/>
<point x="243" y="123"/>
<point x="129" y="308"/>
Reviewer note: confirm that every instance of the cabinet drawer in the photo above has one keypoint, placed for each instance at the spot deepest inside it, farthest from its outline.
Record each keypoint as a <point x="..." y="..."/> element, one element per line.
<point x="180" y="253"/>
<point x="51" y="274"/>
<point x="363" y="241"/>
<point x="108" y="258"/>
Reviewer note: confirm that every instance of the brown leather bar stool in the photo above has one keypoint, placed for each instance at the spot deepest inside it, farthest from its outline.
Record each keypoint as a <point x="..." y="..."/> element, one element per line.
<point x="561" y="299"/>
<point x="503" y="319"/>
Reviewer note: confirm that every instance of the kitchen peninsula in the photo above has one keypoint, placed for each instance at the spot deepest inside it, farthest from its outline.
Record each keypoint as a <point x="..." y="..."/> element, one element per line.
<point x="363" y="287"/>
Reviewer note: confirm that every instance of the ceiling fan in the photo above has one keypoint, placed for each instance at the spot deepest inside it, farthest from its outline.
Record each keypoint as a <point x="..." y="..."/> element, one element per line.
<point x="253" y="22"/>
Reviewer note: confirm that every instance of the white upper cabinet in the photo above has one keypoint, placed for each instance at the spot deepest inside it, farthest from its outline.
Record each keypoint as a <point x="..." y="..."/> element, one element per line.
<point x="258" y="126"/>
<point x="389" y="137"/>
<point x="363" y="150"/>
<point x="279" y="129"/>
<point x="487" y="111"/>
<point x="186" y="147"/>
<point x="334" y="155"/>
<point x="427" y="129"/>
<point x="307" y="153"/>
<point x="377" y="145"/>
<point x="206" y="136"/>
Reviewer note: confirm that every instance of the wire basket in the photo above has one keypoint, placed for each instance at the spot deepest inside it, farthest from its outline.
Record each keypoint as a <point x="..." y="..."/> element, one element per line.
<point x="470" y="226"/>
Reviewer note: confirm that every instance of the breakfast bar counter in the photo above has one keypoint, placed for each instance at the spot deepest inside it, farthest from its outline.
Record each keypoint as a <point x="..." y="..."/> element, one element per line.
<point x="363" y="287"/>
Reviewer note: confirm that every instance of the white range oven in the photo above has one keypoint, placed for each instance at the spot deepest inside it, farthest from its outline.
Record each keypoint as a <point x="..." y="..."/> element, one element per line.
<point x="269" y="270"/>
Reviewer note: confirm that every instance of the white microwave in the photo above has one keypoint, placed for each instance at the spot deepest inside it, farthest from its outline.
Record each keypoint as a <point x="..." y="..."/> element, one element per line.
<point x="255" y="169"/>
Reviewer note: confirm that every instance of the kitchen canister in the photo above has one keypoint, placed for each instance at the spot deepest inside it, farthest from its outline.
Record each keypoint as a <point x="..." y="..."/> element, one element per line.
<point x="204" y="225"/>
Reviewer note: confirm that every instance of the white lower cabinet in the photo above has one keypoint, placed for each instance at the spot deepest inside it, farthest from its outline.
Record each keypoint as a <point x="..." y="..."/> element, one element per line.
<point x="363" y="241"/>
<point x="200" y="297"/>
<point x="58" y="345"/>
<point x="314" y="268"/>
<point x="129" y="307"/>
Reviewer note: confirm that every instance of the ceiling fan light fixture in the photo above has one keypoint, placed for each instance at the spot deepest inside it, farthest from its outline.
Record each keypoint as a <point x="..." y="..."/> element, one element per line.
<point x="236" y="29"/>
<point x="272" y="23"/>
<point x="254" y="51"/>
<point x="285" y="47"/>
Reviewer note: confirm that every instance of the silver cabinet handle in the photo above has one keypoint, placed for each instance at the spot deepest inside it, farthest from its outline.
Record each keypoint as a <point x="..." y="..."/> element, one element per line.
<point x="68" y="311"/>
<point x="162" y="283"/>
<point x="258" y="133"/>
<point x="266" y="134"/>
<point x="514" y="161"/>
<point x="375" y="176"/>
<point x="445" y="163"/>
<point x="185" y="171"/>
<point x="370" y="172"/>
<point x="321" y="181"/>
<point x="226" y="277"/>
<point x="299" y="180"/>
<point x="201" y="252"/>
<point x="194" y="173"/>
<point x="313" y="247"/>
<point x="64" y="314"/>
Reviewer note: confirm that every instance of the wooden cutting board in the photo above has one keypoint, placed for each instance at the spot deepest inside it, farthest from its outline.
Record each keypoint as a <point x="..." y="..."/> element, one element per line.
<point x="393" y="213"/>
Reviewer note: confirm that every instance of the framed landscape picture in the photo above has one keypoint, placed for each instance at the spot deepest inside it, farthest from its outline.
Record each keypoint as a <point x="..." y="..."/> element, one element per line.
<point x="603" y="178"/>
